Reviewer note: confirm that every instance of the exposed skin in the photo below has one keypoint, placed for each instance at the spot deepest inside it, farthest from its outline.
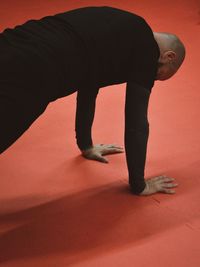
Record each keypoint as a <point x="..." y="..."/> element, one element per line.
<point x="172" y="54"/>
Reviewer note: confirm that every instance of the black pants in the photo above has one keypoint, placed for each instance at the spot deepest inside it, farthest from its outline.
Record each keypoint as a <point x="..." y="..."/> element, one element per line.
<point x="17" y="113"/>
<point x="23" y="92"/>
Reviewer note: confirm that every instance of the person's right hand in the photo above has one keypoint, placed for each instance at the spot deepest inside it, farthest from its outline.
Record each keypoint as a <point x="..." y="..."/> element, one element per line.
<point x="98" y="152"/>
<point x="159" y="184"/>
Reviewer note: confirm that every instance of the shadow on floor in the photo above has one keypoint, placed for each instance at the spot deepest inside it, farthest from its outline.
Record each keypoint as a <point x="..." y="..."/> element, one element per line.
<point x="83" y="224"/>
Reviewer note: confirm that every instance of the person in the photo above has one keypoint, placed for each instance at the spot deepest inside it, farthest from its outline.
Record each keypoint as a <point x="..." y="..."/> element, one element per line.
<point x="83" y="50"/>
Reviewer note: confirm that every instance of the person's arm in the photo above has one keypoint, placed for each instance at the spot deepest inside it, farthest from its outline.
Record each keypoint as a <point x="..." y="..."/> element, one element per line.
<point x="136" y="134"/>
<point x="85" y="110"/>
<point x="86" y="102"/>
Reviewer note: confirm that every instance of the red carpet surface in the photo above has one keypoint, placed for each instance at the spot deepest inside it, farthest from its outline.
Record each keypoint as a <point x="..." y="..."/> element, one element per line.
<point x="58" y="209"/>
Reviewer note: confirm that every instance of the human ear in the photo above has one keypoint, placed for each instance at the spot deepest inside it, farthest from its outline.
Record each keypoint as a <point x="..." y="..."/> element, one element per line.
<point x="171" y="55"/>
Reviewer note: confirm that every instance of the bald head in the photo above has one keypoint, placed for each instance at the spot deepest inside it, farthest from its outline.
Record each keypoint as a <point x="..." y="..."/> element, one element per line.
<point x="172" y="54"/>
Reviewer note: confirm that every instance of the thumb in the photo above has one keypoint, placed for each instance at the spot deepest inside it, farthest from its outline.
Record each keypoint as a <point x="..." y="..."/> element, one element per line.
<point x="95" y="156"/>
<point x="101" y="159"/>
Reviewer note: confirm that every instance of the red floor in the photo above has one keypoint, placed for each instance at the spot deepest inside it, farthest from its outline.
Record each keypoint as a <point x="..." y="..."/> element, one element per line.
<point x="57" y="209"/>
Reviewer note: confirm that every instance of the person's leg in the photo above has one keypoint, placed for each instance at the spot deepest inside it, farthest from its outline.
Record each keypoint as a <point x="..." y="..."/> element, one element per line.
<point x="16" y="116"/>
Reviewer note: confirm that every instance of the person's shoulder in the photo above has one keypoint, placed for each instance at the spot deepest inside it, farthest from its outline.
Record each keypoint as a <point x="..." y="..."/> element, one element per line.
<point x="123" y="11"/>
<point x="131" y="16"/>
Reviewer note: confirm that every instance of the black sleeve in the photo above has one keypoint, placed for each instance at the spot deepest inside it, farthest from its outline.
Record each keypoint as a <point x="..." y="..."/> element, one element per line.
<point x="85" y="110"/>
<point x="136" y="133"/>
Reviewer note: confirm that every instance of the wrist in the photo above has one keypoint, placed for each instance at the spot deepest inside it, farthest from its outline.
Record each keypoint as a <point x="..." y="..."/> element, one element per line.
<point x="86" y="150"/>
<point x="137" y="188"/>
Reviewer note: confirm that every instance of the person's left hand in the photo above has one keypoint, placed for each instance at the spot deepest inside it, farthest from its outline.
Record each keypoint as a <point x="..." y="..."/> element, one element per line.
<point x="98" y="151"/>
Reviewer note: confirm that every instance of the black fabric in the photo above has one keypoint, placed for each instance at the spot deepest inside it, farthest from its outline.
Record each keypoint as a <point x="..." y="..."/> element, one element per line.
<point x="119" y="45"/>
<point x="17" y="115"/>
<point x="136" y="129"/>
<point x="80" y="50"/>
<point x="85" y="111"/>
<point x="136" y="133"/>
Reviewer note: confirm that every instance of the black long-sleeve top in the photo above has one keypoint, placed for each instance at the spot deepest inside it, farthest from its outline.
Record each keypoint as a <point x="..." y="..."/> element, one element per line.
<point x="83" y="50"/>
